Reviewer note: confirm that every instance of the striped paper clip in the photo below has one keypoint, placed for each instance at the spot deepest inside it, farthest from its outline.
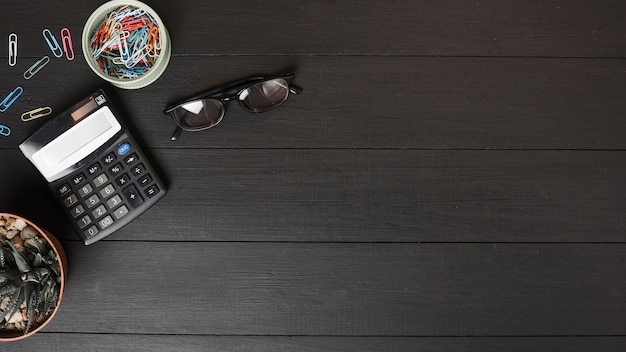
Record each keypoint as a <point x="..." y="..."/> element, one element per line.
<point x="12" y="49"/>
<point x="5" y="130"/>
<point x="36" y="67"/>
<point x="36" y="113"/>
<point x="68" y="48"/>
<point x="52" y="43"/>
<point x="11" y="98"/>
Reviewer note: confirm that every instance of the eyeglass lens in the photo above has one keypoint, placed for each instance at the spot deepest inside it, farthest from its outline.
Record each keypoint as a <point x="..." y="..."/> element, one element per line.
<point x="199" y="114"/>
<point x="265" y="95"/>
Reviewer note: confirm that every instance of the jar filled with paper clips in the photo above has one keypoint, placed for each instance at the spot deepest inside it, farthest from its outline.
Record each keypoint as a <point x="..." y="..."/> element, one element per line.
<point x="126" y="43"/>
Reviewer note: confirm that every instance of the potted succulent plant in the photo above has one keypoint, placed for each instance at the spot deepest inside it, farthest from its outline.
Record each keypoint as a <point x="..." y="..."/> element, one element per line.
<point x="32" y="277"/>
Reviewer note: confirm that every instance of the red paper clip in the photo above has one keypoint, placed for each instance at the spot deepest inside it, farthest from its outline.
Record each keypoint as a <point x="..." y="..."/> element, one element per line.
<point x="68" y="48"/>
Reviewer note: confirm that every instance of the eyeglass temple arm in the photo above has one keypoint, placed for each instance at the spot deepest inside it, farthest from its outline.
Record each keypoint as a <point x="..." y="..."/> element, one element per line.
<point x="176" y="134"/>
<point x="294" y="89"/>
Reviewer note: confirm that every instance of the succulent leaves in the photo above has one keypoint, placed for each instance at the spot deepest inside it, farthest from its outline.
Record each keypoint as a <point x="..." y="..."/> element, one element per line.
<point x="29" y="282"/>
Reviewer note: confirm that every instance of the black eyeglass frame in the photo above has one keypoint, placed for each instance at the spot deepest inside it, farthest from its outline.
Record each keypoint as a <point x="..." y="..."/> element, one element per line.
<point x="227" y="92"/>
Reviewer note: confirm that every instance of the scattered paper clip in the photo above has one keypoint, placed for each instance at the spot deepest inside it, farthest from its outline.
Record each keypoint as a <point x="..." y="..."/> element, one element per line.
<point x="52" y="43"/>
<point x="66" y="39"/>
<point x="36" y="67"/>
<point x="12" y="49"/>
<point x="5" y="130"/>
<point x="36" y="113"/>
<point x="11" y="98"/>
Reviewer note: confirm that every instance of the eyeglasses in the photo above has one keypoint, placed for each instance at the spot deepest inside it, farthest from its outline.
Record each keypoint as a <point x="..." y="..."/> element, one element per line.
<point x="256" y="94"/>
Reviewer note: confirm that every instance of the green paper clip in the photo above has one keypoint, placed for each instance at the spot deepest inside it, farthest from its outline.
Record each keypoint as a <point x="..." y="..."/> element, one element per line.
<point x="36" y="67"/>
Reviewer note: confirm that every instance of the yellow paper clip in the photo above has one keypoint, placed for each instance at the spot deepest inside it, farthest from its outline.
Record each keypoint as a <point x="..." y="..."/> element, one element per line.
<point x="12" y="49"/>
<point x="36" y="113"/>
<point x="36" y="67"/>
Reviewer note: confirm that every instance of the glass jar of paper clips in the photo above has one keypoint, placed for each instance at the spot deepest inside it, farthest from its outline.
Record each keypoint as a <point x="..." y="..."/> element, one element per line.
<point x="126" y="43"/>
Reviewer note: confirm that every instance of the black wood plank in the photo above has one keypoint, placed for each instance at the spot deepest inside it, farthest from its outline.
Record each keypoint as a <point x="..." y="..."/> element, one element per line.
<point x="366" y="102"/>
<point x="362" y="195"/>
<point x="425" y="28"/>
<point x="498" y="123"/>
<point x="174" y="343"/>
<point x="344" y="289"/>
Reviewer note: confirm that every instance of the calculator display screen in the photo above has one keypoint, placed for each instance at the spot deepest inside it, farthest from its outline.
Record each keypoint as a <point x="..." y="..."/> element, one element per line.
<point x="76" y="143"/>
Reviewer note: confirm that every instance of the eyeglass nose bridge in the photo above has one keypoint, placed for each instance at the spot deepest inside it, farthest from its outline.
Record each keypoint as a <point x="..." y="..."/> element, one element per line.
<point x="229" y="98"/>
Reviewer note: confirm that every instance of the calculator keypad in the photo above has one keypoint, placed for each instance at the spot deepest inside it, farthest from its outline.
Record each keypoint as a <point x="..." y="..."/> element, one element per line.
<point x="107" y="190"/>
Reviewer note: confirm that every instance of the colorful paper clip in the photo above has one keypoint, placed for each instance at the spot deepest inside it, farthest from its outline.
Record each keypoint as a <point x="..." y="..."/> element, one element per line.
<point x="11" y="98"/>
<point x="12" y="49"/>
<point x="5" y="130"/>
<point x="127" y="43"/>
<point x="66" y="39"/>
<point x="36" y="67"/>
<point x="36" y="113"/>
<point x="52" y="43"/>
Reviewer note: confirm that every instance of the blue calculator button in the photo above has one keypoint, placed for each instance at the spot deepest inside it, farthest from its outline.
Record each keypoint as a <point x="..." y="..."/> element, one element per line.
<point x="123" y="149"/>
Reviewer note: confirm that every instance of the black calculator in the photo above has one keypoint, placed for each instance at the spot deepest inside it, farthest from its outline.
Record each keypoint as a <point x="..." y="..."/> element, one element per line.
<point x="94" y="167"/>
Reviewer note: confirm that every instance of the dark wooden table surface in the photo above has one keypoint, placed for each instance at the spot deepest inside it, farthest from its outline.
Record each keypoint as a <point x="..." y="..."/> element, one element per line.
<point x="451" y="179"/>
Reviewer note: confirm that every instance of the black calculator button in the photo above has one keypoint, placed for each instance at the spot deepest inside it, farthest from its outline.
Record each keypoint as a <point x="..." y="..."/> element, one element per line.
<point x="100" y="180"/>
<point x="92" y="231"/>
<point x="107" y="191"/>
<point x="138" y="170"/>
<point x="78" y="179"/>
<point x="120" y="212"/>
<point x="92" y="201"/>
<point x="131" y="193"/>
<point x="116" y="169"/>
<point x="105" y="222"/>
<point x="77" y="211"/>
<point x="63" y="190"/>
<point x="70" y="200"/>
<point x="109" y="159"/>
<point x="131" y="159"/>
<point x="145" y="180"/>
<point x="84" y="221"/>
<point x="99" y="212"/>
<point x="84" y="190"/>
<point x="152" y="191"/>
<point x="94" y="169"/>
<point x="123" y="180"/>
<point x="114" y="201"/>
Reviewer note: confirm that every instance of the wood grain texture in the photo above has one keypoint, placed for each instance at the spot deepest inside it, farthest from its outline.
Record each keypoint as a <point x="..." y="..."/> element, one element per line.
<point x="190" y="343"/>
<point x="400" y="103"/>
<point x="403" y="103"/>
<point x="369" y="289"/>
<point x="451" y="179"/>
<point x="571" y="28"/>
<point x="326" y="195"/>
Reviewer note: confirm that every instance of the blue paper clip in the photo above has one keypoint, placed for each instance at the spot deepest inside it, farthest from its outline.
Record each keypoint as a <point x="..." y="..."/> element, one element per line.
<point x="36" y="67"/>
<point x="12" y="49"/>
<point x="11" y="98"/>
<point x="52" y="43"/>
<point x="5" y="130"/>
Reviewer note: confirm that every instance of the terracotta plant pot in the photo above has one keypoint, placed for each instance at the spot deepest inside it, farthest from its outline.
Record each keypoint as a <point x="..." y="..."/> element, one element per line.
<point x="55" y="245"/>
